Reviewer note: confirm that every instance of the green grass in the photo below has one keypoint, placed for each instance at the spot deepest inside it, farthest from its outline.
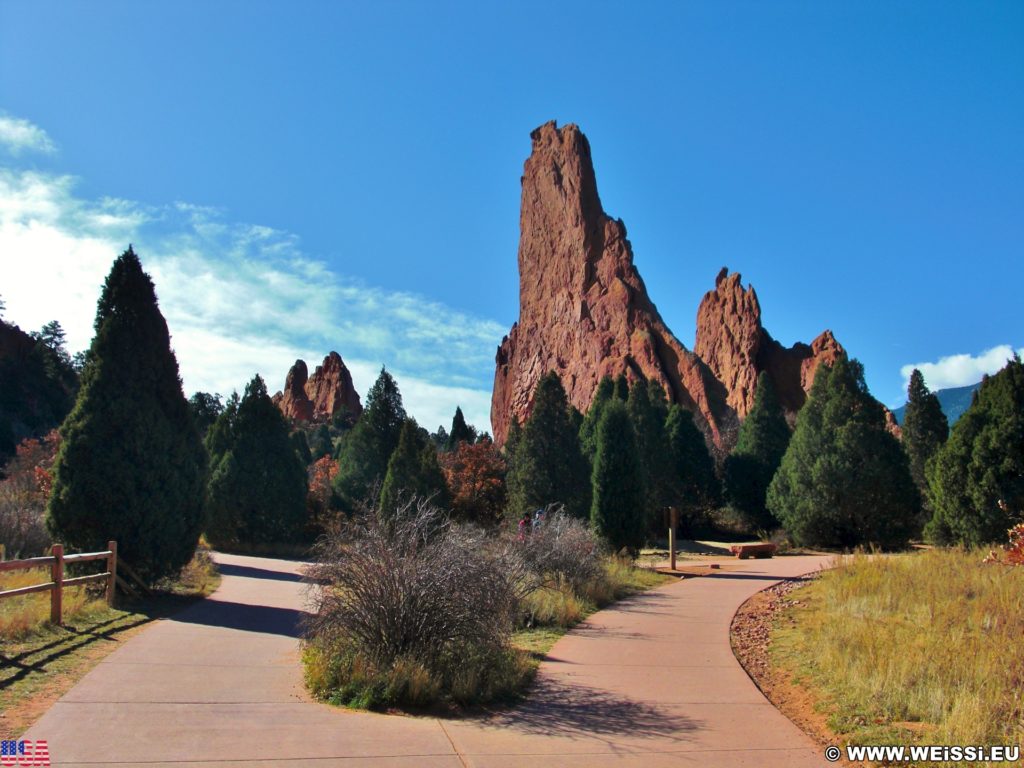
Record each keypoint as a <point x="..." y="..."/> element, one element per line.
<point x="40" y="661"/>
<point x="917" y="648"/>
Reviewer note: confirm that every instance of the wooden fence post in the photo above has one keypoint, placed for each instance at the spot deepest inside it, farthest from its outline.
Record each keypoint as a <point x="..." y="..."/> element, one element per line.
<point x="112" y="569"/>
<point x="57" y="591"/>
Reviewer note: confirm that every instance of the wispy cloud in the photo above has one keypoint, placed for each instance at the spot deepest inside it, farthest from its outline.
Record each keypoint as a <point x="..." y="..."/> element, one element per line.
<point x="960" y="370"/>
<point x="238" y="298"/>
<point x="18" y="135"/>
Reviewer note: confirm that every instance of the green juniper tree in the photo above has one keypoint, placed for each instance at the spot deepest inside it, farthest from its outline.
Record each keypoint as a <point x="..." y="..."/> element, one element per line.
<point x="588" y="428"/>
<point x="205" y="410"/>
<point x="257" y="488"/>
<point x="320" y="443"/>
<point x="622" y="387"/>
<point x="363" y="452"/>
<point x="547" y="465"/>
<point x="693" y="486"/>
<point x="300" y="443"/>
<point x="844" y="480"/>
<point x="925" y="428"/>
<point x="749" y="469"/>
<point x="413" y="470"/>
<point x="460" y="431"/>
<point x="648" y="420"/>
<point x="976" y="479"/>
<point x="131" y="466"/>
<point x="617" y="511"/>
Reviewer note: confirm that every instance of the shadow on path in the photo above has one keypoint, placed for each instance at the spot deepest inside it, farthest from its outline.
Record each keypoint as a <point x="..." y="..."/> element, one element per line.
<point x="248" y="572"/>
<point x="245" y="617"/>
<point x="561" y="709"/>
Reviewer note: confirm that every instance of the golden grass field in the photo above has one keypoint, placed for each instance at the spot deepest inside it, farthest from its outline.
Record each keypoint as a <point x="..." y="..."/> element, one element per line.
<point x="916" y="648"/>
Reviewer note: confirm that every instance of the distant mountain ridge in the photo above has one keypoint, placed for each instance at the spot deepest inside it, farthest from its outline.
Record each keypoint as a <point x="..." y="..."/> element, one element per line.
<point x="954" y="402"/>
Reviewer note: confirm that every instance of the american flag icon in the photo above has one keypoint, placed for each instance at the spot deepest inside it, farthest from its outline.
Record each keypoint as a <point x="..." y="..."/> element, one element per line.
<point x="24" y="753"/>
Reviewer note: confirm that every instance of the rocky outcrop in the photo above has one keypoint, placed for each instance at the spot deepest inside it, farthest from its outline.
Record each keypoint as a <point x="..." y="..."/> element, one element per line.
<point x="583" y="307"/>
<point x="584" y="312"/>
<point x="318" y="398"/>
<point x="736" y="347"/>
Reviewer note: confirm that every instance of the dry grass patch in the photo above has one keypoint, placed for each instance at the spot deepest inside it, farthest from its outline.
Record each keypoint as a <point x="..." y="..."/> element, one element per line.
<point x="921" y="648"/>
<point x="19" y="616"/>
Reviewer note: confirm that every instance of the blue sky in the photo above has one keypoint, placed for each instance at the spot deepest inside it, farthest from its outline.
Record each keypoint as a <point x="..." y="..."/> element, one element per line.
<point x="304" y="176"/>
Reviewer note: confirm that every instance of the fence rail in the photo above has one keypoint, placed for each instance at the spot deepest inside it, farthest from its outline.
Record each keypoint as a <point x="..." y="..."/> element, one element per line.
<point x="57" y="582"/>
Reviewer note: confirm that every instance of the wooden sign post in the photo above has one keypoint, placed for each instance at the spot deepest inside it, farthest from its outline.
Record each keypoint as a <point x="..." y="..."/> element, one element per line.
<point x="673" y="523"/>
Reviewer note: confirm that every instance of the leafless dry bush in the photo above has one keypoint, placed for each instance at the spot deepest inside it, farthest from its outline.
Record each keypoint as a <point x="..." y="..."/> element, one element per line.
<point x="415" y="589"/>
<point x="563" y="547"/>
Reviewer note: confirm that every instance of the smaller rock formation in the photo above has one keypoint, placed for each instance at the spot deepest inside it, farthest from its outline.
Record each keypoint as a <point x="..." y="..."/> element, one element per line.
<point x="318" y="398"/>
<point x="735" y="345"/>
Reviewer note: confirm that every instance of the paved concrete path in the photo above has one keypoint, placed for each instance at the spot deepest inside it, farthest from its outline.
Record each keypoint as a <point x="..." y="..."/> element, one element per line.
<point x="650" y="682"/>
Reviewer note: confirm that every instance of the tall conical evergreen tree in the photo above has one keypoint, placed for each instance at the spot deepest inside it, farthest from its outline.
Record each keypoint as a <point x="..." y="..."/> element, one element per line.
<point x="547" y="465"/>
<point x="413" y="470"/>
<point x="512" y="441"/>
<point x="844" y="480"/>
<point x="460" y="431"/>
<point x="131" y="465"/>
<point x="976" y="479"/>
<point x="622" y="387"/>
<point x="588" y="429"/>
<point x="648" y="422"/>
<point x="693" y="485"/>
<point x="925" y="427"/>
<point x="257" y="488"/>
<point x="320" y="443"/>
<point x="749" y="469"/>
<point x="300" y="443"/>
<point x="364" y="451"/>
<point x="617" y="511"/>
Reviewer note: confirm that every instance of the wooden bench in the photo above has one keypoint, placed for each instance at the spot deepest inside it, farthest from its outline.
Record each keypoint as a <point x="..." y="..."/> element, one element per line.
<point x="744" y="551"/>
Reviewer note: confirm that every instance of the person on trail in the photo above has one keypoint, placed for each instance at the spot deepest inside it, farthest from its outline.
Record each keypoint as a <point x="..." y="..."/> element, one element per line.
<point x="524" y="526"/>
<point x="538" y="518"/>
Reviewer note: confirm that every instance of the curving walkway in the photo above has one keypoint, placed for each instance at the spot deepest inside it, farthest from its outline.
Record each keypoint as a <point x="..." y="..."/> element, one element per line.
<point x="649" y="682"/>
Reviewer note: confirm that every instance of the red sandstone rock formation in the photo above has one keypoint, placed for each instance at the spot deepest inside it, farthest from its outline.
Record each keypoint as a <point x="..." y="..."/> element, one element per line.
<point x="318" y="397"/>
<point x="736" y="347"/>
<point x="583" y="308"/>
<point x="585" y="313"/>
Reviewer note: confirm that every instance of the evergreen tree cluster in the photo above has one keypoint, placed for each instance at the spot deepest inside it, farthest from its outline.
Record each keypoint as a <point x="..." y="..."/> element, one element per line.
<point x="257" y="488"/>
<point x="844" y="480"/>
<point x="38" y="384"/>
<point x="975" y="479"/>
<point x="749" y="469"/>
<point x="619" y="465"/>
<point x="387" y="457"/>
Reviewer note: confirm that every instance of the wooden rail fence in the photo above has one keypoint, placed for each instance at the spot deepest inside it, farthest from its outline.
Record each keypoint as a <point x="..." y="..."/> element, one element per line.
<point x="58" y="583"/>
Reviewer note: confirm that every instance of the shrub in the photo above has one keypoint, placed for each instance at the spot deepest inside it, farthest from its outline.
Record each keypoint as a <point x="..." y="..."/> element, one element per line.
<point x="23" y="496"/>
<point x="563" y="548"/>
<point x="412" y="608"/>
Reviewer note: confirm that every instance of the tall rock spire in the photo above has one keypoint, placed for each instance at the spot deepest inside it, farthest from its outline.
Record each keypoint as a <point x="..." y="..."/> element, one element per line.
<point x="584" y="311"/>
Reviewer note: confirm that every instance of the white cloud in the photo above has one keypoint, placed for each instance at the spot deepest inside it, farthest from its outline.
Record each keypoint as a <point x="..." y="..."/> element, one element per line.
<point x="960" y="370"/>
<point x="238" y="298"/>
<point x="19" y="135"/>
